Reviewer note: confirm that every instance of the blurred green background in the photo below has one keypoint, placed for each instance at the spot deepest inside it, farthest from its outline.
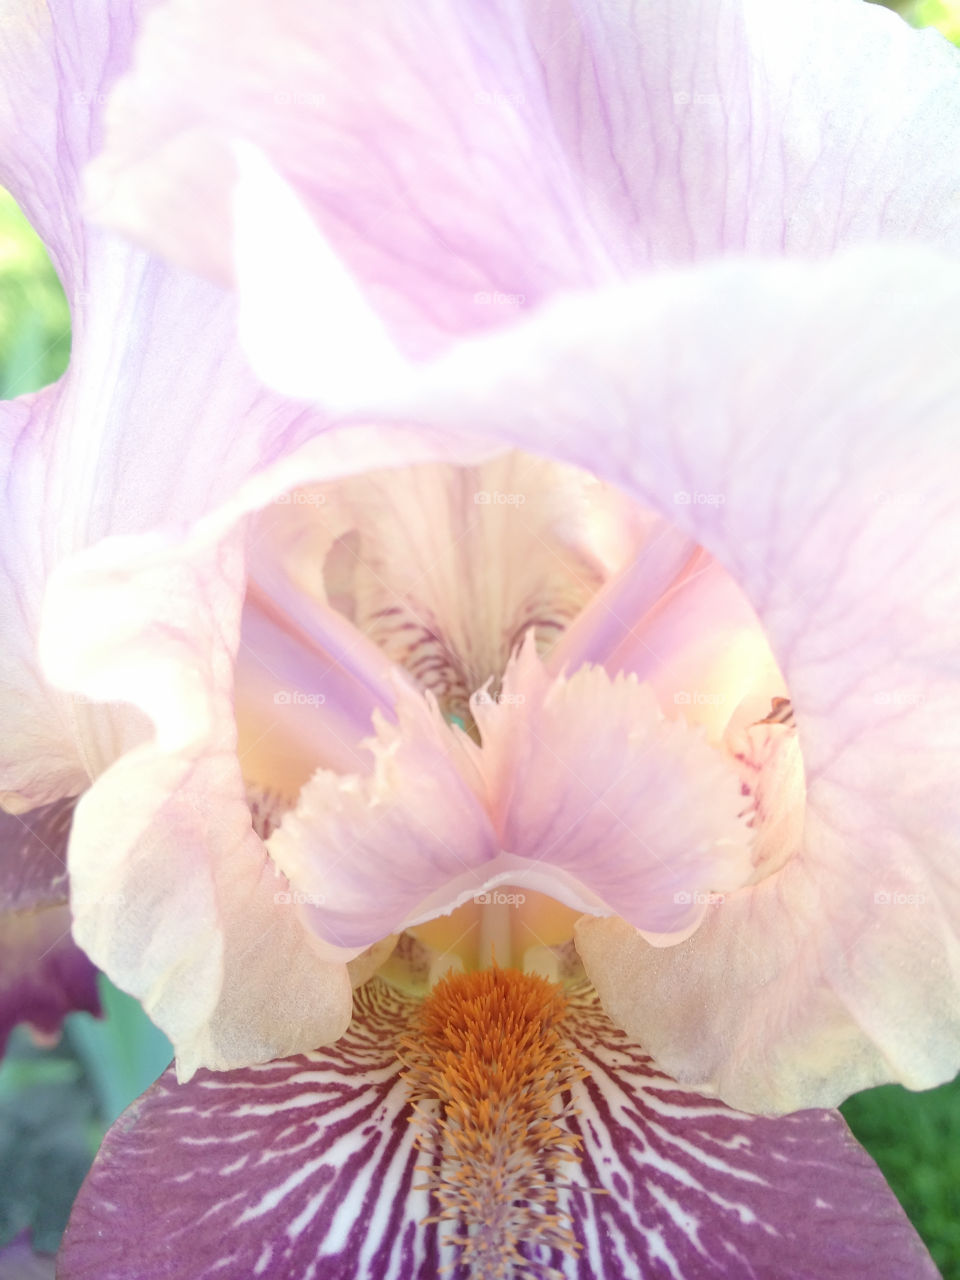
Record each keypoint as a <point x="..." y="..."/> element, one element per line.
<point x="56" y="1103"/>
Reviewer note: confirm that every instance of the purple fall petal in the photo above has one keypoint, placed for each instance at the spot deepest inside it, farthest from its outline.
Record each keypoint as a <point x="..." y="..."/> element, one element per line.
<point x="305" y="1168"/>
<point x="43" y="974"/>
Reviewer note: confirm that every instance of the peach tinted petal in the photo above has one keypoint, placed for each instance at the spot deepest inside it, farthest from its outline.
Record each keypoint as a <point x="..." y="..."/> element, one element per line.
<point x="176" y="896"/>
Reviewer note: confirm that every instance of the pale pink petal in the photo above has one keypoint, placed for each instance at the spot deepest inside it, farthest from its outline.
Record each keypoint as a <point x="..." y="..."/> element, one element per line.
<point x="175" y="895"/>
<point x="444" y="568"/>
<point x="312" y="1163"/>
<point x="57" y="67"/>
<point x="297" y="708"/>
<point x="585" y="776"/>
<point x="827" y="424"/>
<point x="702" y="649"/>
<point x="148" y="431"/>
<point x="366" y="852"/>
<point x="609" y="622"/>
<point x="428" y="167"/>
<point x="466" y="164"/>
<point x="157" y="421"/>
<point x="151" y="621"/>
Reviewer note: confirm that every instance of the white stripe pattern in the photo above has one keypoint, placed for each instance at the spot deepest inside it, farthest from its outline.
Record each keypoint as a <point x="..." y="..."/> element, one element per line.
<point x="305" y="1170"/>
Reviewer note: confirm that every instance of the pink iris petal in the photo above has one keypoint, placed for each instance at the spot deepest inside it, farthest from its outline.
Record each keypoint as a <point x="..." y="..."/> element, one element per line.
<point x="149" y="429"/>
<point x="702" y="649"/>
<point x="367" y="852"/>
<point x="204" y="936"/>
<point x="548" y="148"/>
<point x="612" y="619"/>
<point x="487" y="224"/>
<point x="584" y="775"/>
<point x="43" y="974"/>
<point x="829" y="436"/>
<point x="797" y="415"/>
<point x="157" y="420"/>
<point x="297" y="709"/>
<point x="580" y="790"/>
<point x="309" y="1167"/>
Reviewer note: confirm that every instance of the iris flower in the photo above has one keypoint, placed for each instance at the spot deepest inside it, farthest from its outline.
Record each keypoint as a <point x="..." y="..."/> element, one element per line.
<point x="592" y="612"/>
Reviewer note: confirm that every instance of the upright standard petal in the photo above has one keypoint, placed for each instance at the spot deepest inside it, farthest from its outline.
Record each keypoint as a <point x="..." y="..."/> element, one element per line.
<point x="549" y="147"/>
<point x="315" y="1162"/>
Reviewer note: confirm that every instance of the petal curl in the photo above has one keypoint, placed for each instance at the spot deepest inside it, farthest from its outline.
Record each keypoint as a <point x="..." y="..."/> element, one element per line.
<point x="368" y="851"/>
<point x="176" y="896"/>
<point x="312" y="1161"/>
<point x="585" y="775"/>
<point x="307" y="63"/>
<point x="580" y="790"/>
<point x="813" y="439"/>
<point x="550" y="147"/>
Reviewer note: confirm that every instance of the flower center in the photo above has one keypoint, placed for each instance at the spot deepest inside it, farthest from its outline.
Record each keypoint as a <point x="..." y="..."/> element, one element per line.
<point x="488" y="1057"/>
